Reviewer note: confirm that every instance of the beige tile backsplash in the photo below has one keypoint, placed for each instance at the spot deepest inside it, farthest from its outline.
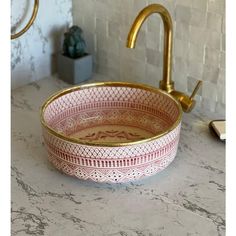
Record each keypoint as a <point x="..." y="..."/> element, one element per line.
<point x="199" y="44"/>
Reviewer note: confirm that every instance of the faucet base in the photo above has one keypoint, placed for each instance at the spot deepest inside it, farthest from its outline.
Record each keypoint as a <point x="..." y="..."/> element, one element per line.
<point x="167" y="87"/>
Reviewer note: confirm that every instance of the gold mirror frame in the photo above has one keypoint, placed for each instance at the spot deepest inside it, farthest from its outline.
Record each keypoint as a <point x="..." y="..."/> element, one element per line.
<point x="31" y="21"/>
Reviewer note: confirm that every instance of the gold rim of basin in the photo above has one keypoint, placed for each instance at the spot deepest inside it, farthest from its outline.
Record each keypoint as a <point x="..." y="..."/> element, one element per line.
<point x="114" y="84"/>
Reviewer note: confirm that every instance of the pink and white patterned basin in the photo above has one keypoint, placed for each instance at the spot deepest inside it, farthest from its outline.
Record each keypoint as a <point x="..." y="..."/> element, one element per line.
<point x="111" y="131"/>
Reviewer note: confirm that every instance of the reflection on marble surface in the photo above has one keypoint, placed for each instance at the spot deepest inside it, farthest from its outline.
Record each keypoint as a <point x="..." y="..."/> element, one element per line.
<point x="187" y="198"/>
<point x="32" y="54"/>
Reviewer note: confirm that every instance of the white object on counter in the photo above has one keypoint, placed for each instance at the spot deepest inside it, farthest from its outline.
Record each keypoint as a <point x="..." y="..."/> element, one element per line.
<point x="219" y="127"/>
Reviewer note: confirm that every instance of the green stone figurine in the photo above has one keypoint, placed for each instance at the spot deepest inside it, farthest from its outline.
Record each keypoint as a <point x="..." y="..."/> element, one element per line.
<point x="74" y="45"/>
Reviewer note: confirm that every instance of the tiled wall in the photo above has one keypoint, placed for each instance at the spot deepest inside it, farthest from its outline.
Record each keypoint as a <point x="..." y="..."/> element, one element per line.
<point x="32" y="54"/>
<point x="199" y="44"/>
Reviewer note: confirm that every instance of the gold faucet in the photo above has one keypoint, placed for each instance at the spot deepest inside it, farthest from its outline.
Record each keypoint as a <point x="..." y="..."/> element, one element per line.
<point x="187" y="102"/>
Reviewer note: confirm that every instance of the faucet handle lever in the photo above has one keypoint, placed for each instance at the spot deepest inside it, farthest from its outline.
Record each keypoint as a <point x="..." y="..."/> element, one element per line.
<point x="199" y="84"/>
<point x="187" y="102"/>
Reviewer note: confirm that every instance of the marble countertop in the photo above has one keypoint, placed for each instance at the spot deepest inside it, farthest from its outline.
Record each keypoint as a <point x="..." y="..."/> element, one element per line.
<point x="187" y="198"/>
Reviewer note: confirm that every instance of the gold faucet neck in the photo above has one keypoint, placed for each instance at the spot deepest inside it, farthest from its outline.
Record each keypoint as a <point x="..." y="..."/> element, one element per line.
<point x="167" y="83"/>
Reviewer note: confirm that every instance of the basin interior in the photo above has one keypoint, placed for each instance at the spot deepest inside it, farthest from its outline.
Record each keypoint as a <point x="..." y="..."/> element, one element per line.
<point x="111" y="113"/>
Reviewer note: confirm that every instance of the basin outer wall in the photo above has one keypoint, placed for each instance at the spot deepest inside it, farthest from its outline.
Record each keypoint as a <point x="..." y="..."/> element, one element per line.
<point x="112" y="164"/>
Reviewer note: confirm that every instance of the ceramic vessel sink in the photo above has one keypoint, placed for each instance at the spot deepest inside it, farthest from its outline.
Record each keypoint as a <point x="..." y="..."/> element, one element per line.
<point x="111" y="131"/>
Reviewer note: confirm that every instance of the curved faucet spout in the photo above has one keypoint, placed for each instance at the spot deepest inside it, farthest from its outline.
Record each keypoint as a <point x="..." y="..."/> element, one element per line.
<point x="166" y="83"/>
<point x="187" y="102"/>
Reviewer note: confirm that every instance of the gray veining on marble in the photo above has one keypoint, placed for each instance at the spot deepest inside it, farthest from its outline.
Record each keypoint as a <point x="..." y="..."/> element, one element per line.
<point x="32" y="54"/>
<point x="187" y="198"/>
